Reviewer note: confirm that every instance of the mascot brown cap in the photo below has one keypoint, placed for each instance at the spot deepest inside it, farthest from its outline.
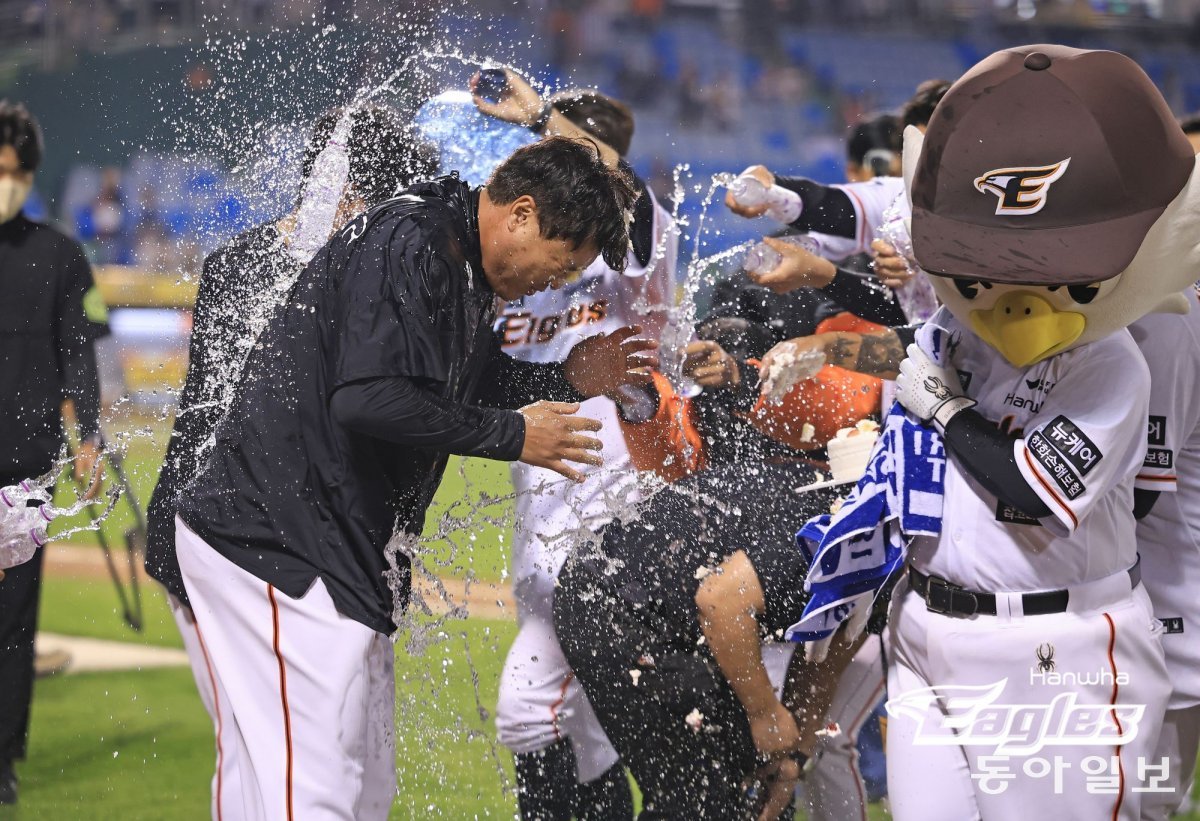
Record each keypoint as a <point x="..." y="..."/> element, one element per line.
<point x="1045" y="165"/>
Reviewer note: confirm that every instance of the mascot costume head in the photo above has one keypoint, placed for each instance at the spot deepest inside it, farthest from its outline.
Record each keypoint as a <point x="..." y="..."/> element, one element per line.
<point x="1055" y="200"/>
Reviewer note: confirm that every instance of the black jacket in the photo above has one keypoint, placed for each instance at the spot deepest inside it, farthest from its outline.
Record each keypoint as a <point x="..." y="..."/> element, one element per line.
<point x="290" y="492"/>
<point x="239" y="285"/>
<point x="50" y="315"/>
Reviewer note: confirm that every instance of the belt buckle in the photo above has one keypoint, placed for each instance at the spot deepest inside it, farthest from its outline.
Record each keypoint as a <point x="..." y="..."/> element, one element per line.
<point x="940" y="595"/>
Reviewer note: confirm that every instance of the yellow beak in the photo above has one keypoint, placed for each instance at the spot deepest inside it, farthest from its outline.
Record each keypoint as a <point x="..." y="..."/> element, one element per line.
<point x="1025" y="328"/>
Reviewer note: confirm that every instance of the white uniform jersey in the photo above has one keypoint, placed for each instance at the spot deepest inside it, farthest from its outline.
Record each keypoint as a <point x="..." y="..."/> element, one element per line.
<point x="870" y="200"/>
<point x="551" y="510"/>
<point x="1169" y="536"/>
<point x="1080" y="444"/>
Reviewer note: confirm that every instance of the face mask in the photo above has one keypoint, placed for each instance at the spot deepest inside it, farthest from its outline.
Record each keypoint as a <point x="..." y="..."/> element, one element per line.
<point x="12" y="196"/>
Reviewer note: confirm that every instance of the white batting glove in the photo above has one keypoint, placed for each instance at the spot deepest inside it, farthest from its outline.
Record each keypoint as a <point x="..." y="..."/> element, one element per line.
<point x="930" y="391"/>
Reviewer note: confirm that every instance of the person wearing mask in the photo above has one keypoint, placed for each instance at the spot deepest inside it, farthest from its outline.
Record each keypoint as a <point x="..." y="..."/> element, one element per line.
<point x="50" y="316"/>
<point x="241" y="283"/>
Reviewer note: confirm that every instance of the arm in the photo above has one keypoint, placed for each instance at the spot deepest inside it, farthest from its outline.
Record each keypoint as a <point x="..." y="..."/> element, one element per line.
<point x="986" y="453"/>
<point x="865" y="298"/>
<point x="521" y="104"/>
<point x="396" y="410"/>
<point x="878" y="354"/>
<point x="82" y="320"/>
<point x="729" y="603"/>
<point x="827" y="209"/>
<point x="515" y="383"/>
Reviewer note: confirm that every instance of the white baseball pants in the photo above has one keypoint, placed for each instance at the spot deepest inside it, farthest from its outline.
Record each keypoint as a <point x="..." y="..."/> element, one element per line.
<point x="1177" y="743"/>
<point x="303" y="698"/>
<point x="1058" y="688"/>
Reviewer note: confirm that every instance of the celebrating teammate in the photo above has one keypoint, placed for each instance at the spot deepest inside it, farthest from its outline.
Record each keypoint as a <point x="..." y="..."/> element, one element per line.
<point x="240" y="285"/>
<point x="363" y="383"/>
<point x="565" y="765"/>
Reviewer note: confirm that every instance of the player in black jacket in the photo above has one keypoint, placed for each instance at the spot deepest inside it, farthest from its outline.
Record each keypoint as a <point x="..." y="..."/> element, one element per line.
<point x="240" y="284"/>
<point x="379" y="365"/>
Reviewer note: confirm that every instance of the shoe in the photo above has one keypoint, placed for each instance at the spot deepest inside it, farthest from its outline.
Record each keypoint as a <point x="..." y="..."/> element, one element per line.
<point x="8" y="784"/>
<point x="51" y="662"/>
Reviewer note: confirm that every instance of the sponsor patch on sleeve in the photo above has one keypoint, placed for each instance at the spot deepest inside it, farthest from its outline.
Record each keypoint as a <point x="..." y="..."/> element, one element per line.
<point x="1072" y="444"/>
<point x="1156" y="431"/>
<point x="1056" y="464"/>
<point x="1172" y="625"/>
<point x="1009" y="515"/>
<point x="1159" y="458"/>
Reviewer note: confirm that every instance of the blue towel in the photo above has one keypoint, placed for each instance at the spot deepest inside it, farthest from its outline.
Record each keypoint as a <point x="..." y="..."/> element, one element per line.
<point x="853" y="552"/>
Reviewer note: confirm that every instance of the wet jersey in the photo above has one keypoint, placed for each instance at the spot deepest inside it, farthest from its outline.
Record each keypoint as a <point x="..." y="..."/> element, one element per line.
<point x="1078" y="444"/>
<point x="544" y="327"/>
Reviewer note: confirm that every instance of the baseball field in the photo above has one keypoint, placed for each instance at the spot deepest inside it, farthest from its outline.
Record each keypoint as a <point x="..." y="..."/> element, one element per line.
<point x="137" y="744"/>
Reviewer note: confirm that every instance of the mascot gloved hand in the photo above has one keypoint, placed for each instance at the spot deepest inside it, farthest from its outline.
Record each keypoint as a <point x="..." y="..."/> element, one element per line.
<point x="929" y="391"/>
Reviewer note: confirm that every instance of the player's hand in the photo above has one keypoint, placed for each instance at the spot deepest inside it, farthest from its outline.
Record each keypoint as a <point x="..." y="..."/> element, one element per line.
<point x="601" y="364"/>
<point x="799" y="269"/>
<point x="88" y="467"/>
<point x="764" y="176"/>
<point x="519" y="103"/>
<point x="790" y="350"/>
<point x="775" y="732"/>
<point x="928" y="390"/>
<point x="554" y="435"/>
<point x="778" y="781"/>
<point x="893" y="269"/>
<point x="708" y="365"/>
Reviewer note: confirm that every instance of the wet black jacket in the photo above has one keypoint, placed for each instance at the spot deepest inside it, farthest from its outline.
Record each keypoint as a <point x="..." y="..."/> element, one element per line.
<point x="299" y="486"/>
<point x="50" y="315"/>
<point x="239" y="285"/>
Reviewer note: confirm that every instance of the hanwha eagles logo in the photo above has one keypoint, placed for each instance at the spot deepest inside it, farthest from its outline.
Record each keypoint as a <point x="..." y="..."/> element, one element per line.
<point x="1021" y="191"/>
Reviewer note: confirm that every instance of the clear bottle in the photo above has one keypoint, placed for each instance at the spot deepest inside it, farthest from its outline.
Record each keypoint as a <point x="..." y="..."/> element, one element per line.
<point x="783" y="205"/>
<point x="322" y="192"/>
<point x="22" y="531"/>
<point x="762" y="258"/>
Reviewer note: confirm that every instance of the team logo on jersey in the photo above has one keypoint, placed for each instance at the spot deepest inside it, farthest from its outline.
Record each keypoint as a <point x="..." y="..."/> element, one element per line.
<point x="1043" y="385"/>
<point x="1045" y="657"/>
<point x="1021" y="191"/>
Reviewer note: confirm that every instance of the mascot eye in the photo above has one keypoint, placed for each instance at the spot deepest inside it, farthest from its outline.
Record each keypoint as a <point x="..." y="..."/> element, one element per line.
<point x="969" y="288"/>
<point x="1083" y="294"/>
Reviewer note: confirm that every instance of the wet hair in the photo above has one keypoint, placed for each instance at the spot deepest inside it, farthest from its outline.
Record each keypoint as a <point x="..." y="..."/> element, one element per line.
<point x="19" y="129"/>
<point x="579" y="198"/>
<point x="601" y="116"/>
<point x="880" y="133"/>
<point x="920" y="106"/>
<point x="1190" y="123"/>
<point x="386" y="155"/>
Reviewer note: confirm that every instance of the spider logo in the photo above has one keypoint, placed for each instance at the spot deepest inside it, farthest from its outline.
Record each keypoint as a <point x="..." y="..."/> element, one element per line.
<point x="1045" y="657"/>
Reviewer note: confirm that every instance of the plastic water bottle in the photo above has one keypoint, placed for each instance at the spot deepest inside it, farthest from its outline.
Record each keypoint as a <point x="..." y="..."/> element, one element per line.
<point x="762" y="258"/>
<point x="22" y="528"/>
<point x="782" y="205"/>
<point x="323" y="193"/>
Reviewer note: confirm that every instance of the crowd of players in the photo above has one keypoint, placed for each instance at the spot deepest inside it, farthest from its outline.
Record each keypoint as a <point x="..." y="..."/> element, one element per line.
<point x="517" y="321"/>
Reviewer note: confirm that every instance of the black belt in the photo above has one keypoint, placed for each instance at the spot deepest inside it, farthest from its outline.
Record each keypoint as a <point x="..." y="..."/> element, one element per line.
<point x="948" y="599"/>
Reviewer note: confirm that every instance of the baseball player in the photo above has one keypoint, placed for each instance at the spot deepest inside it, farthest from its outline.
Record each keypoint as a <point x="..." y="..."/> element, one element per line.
<point x="1026" y="673"/>
<point x="564" y="763"/>
<point x="1167" y="536"/>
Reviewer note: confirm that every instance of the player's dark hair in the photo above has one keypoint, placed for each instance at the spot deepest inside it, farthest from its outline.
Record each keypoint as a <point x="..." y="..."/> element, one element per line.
<point x="599" y="115"/>
<point x="1190" y="123"/>
<point x="19" y="129"/>
<point x="880" y="133"/>
<point x="920" y="106"/>
<point x="579" y="198"/>
<point x="386" y="155"/>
